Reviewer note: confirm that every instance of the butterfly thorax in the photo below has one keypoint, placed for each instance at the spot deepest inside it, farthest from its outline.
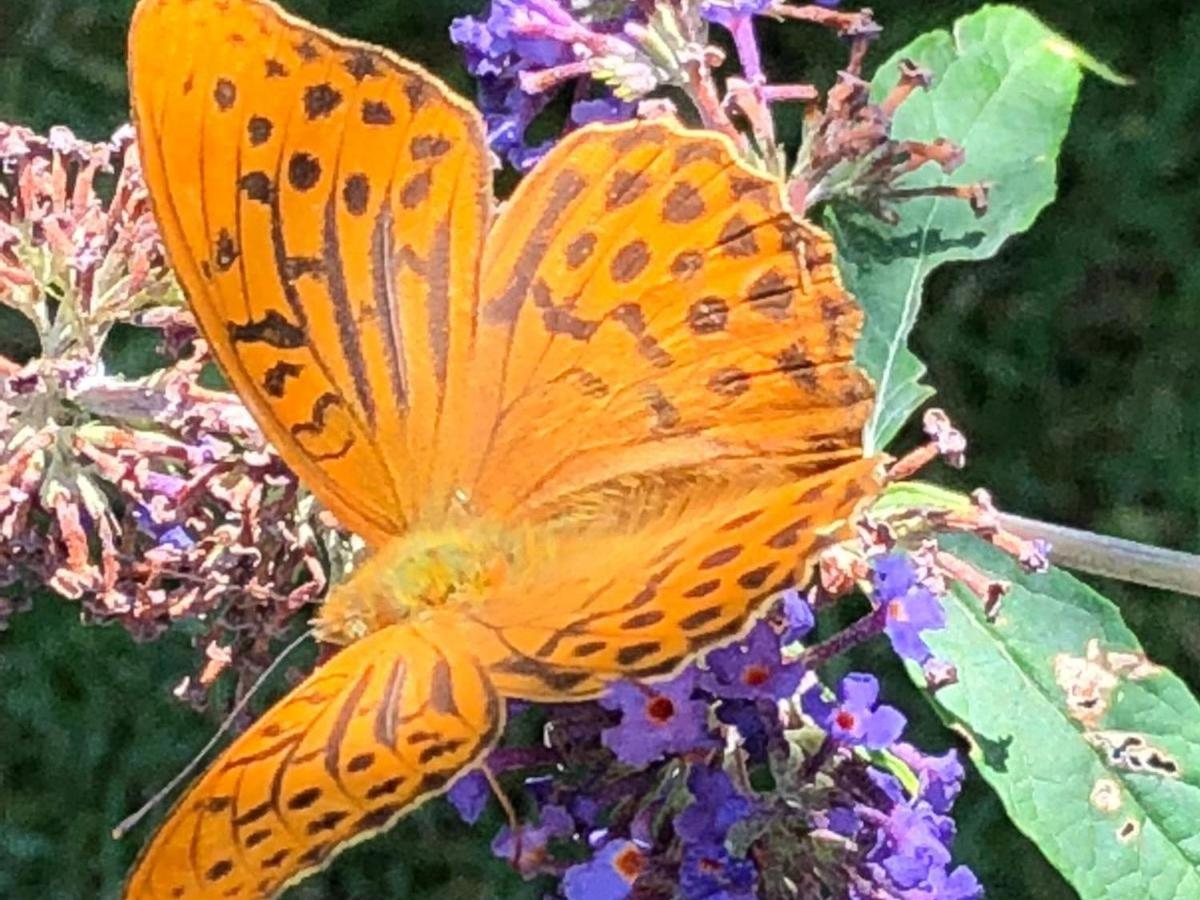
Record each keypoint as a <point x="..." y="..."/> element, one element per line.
<point x="422" y="570"/>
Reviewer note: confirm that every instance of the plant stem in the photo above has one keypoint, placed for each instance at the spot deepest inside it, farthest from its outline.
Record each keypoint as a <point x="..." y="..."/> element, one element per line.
<point x="1097" y="554"/>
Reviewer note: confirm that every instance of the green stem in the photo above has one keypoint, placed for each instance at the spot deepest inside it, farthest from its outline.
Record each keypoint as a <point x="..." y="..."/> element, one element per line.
<point x="1097" y="554"/>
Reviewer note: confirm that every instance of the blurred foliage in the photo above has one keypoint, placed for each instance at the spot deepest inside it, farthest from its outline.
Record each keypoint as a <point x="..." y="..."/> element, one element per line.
<point x="1072" y="361"/>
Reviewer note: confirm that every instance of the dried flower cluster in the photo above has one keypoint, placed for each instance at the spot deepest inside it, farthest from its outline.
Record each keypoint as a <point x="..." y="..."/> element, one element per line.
<point x="613" y="56"/>
<point x="147" y="496"/>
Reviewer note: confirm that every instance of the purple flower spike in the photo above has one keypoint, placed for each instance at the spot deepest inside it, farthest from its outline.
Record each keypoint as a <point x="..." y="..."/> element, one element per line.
<point x="656" y="719"/>
<point x="940" y="777"/>
<point x="912" y="846"/>
<point x="522" y="51"/>
<point x="856" y="718"/>
<point x="715" y="808"/>
<point x="911" y="607"/>
<point x="529" y="853"/>
<point x="757" y="722"/>
<point x="608" y="876"/>
<point x="709" y="872"/>
<point x="797" y="614"/>
<point x="469" y="795"/>
<point x="961" y="884"/>
<point x="752" y="669"/>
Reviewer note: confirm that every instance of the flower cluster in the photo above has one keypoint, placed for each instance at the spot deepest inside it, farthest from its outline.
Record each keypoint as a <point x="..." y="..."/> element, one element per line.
<point x="612" y="58"/>
<point x="743" y="776"/>
<point x="144" y="494"/>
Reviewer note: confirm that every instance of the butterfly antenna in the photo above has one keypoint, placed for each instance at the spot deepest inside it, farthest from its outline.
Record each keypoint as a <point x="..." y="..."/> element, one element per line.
<point x="502" y="798"/>
<point x="131" y="821"/>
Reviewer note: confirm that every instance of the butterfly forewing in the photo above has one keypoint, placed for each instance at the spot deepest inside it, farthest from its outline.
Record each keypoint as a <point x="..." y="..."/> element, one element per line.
<point x="657" y="288"/>
<point x="323" y="204"/>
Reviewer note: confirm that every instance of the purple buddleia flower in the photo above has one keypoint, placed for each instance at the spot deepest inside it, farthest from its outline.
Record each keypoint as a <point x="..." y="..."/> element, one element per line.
<point x="797" y="616"/>
<point x="960" y="884"/>
<point x="856" y="718"/>
<point x="751" y="669"/>
<point x="911" y="845"/>
<point x="940" y="778"/>
<point x="911" y="606"/>
<point x="523" y="51"/>
<point x="716" y="806"/>
<point x="469" y="796"/>
<point x="710" y="872"/>
<point x="656" y="719"/>
<point x="609" y="875"/>
<point x="528" y="851"/>
<point x="757" y="723"/>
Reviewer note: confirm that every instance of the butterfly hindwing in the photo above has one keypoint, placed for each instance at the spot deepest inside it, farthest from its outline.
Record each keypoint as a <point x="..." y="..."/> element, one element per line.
<point x="601" y="606"/>
<point x="386" y="722"/>
<point x="323" y="203"/>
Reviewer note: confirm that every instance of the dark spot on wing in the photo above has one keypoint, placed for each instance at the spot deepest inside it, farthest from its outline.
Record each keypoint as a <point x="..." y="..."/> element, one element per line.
<point x="259" y="130"/>
<point x="272" y="329"/>
<point x="729" y="382"/>
<point x="320" y="100"/>
<point x="225" y="93"/>
<point x="666" y="414"/>
<point x="721" y="557"/>
<point x="376" y="112"/>
<point x="737" y="238"/>
<point x="304" y="171"/>
<point x="708" y="316"/>
<point x="683" y="204"/>
<point x="356" y="194"/>
<point x="756" y="578"/>
<point x="428" y="146"/>
<point x="390" y="786"/>
<point x="625" y="187"/>
<point x="226" y="251"/>
<point x="360" y="762"/>
<point x="360" y="65"/>
<point x="687" y="264"/>
<point x="275" y="379"/>
<point x="580" y="249"/>
<point x="630" y="261"/>
<point x="326" y="821"/>
<point x="634" y="653"/>
<point x="703" y="589"/>
<point x="700" y="618"/>
<point x="257" y="186"/>
<point x="771" y="295"/>
<point x="305" y="798"/>
<point x="416" y="191"/>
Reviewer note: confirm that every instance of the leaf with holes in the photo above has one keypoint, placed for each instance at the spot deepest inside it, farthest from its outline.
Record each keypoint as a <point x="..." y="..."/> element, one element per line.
<point x="1093" y="750"/>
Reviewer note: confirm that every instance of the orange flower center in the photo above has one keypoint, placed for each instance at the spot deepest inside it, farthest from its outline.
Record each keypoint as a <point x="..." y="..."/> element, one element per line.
<point x="629" y="863"/>
<point x="755" y="676"/>
<point x="660" y="709"/>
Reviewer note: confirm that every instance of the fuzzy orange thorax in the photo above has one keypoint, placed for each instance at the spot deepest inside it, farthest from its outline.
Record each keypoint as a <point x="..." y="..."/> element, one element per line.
<point x="420" y="571"/>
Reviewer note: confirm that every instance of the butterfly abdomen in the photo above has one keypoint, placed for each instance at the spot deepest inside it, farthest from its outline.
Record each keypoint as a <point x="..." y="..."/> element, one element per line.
<point x="423" y="570"/>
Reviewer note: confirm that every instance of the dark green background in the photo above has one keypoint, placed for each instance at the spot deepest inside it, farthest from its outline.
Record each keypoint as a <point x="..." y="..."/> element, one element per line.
<point x="1070" y="361"/>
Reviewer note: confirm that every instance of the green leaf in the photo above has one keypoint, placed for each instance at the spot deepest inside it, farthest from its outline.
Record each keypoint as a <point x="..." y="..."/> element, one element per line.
<point x="1004" y="86"/>
<point x="1107" y="783"/>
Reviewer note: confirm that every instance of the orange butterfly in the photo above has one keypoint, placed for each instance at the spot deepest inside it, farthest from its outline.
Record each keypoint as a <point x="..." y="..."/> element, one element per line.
<point x="588" y="436"/>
